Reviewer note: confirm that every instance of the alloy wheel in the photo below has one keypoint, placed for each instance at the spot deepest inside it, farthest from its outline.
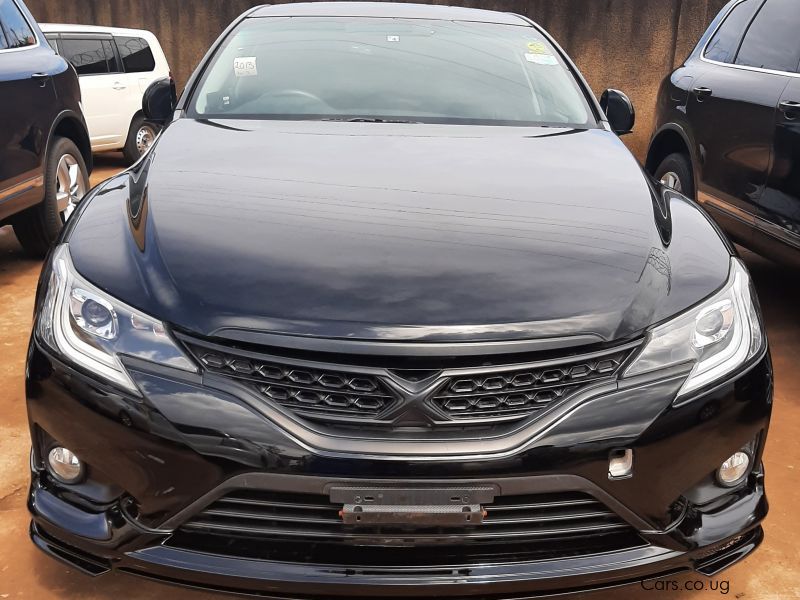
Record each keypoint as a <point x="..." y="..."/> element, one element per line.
<point x="70" y="185"/>
<point x="671" y="179"/>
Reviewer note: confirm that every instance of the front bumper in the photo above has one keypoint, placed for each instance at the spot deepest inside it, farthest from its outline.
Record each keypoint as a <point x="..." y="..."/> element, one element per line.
<point x="155" y="463"/>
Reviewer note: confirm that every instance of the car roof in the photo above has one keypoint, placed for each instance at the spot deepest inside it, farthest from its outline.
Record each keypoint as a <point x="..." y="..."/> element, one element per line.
<point x="388" y="10"/>
<point x="74" y="28"/>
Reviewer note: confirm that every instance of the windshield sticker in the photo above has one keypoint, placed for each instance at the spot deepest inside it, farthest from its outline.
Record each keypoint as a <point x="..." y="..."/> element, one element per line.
<point x="537" y="48"/>
<point x="541" y="59"/>
<point x="392" y="38"/>
<point x="245" y="66"/>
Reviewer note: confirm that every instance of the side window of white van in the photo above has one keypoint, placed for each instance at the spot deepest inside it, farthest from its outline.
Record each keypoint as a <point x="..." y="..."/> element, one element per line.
<point x="136" y="54"/>
<point x="90" y="56"/>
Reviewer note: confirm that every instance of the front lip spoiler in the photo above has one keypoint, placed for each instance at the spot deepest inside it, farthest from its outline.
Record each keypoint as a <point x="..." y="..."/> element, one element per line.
<point x="81" y="560"/>
<point x="515" y="581"/>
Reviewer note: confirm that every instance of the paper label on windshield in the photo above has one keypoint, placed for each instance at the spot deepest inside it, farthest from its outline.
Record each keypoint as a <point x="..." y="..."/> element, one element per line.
<point x="541" y="59"/>
<point x="537" y="48"/>
<point x="245" y="66"/>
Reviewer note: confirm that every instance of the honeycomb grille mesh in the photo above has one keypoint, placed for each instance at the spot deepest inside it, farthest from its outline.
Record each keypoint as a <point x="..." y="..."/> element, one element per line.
<point x="345" y="395"/>
<point x="308" y="391"/>
<point x="523" y="392"/>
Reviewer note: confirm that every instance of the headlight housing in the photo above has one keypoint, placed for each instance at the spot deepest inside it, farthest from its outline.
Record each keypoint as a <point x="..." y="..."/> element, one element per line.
<point x="718" y="336"/>
<point x="92" y="329"/>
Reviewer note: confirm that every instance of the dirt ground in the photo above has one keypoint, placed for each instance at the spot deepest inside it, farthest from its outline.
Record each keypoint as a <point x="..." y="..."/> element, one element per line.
<point x="773" y="572"/>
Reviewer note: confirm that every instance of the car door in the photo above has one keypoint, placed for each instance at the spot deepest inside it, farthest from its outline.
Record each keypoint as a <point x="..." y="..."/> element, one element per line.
<point x="732" y="110"/>
<point x="27" y="98"/>
<point x="138" y="63"/>
<point x="779" y="206"/>
<point x="103" y="87"/>
<point x="779" y="214"/>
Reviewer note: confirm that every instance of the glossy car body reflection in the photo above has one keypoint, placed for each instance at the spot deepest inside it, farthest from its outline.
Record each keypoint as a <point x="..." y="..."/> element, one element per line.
<point x="401" y="265"/>
<point x="354" y="248"/>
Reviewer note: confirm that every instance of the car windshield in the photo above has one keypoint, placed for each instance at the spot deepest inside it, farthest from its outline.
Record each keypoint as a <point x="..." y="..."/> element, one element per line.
<point x="388" y="69"/>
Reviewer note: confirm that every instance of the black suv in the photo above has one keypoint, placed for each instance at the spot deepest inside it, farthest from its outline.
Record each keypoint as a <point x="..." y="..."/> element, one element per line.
<point x="45" y="156"/>
<point x="728" y="126"/>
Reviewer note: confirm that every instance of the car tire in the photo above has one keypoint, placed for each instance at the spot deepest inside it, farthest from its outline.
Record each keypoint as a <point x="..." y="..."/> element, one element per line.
<point x="66" y="180"/>
<point x="675" y="171"/>
<point x="140" y="137"/>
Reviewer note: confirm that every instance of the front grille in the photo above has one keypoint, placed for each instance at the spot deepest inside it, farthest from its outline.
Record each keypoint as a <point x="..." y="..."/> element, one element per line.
<point x="308" y="528"/>
<point x="307" y="391"/>
<point x="522" y="392"/>
<point x="379" y="396"/>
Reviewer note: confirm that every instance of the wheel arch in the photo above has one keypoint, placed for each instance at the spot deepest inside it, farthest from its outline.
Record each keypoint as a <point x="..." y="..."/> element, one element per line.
<point x="70" y="126"/>
<point x="669" y="139"/>
<point x="138" y="113"/>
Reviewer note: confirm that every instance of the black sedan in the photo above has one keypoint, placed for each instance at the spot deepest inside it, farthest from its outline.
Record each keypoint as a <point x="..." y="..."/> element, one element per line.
<point x="728" y="126"/>
<point x="389" y="309"/>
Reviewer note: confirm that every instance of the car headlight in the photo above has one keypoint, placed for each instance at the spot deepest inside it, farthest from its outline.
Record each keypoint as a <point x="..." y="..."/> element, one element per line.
<point x="92" y="329"/>
<point x="717" y="337"/>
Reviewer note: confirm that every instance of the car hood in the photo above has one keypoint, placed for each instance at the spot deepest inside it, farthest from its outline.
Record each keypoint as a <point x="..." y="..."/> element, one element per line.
<point x="380" y="231"/>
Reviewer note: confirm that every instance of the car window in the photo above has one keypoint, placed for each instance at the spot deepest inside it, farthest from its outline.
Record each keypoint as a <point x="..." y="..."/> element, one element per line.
<point x="136" y="54"/>
<point x="773" y="40"/>
<point x="725" y="41"/>
<point x="90" y="56"/>
<point x="16" y="33"/>
<point x="390" y="69"/>
<point x="53" y="41"/>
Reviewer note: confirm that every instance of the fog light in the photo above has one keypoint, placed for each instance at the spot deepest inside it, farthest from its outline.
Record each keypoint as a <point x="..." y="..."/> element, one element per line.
<point x="620" y="465"/>
<point x="734" y="470"/>
<point x="64" y="465"/>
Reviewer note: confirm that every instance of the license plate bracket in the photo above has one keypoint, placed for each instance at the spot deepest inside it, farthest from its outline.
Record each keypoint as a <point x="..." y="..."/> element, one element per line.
<point x="413" y="506"/>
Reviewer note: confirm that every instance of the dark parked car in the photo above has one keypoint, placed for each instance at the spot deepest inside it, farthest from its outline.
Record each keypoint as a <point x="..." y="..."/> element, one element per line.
<point x="728" y="126"/>
<point x="45" y="156"/>
<point x="389" y="309"/>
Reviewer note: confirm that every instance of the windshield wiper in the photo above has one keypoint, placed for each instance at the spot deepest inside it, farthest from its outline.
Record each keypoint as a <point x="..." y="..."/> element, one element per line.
<point x="367" y="120"/>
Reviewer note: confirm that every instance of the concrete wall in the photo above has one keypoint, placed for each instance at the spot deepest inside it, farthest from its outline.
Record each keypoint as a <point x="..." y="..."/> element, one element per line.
<point x="627" y="44"/>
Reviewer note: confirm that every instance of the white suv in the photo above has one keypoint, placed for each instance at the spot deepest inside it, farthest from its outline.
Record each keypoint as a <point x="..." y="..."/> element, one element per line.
<point x="114" y="67"/>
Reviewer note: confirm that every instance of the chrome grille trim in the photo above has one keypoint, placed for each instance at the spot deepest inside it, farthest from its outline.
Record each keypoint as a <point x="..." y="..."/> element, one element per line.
<point x="381" y="398"/>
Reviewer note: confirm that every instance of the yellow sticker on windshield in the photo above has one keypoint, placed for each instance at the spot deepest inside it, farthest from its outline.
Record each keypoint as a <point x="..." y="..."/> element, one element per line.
<point x="537" y="48"/>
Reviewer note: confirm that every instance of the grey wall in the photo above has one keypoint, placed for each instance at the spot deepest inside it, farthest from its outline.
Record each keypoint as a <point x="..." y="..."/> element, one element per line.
<point x="627" y="44"/>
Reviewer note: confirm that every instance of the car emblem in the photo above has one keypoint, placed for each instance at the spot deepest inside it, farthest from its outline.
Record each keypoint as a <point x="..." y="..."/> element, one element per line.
<point x="413" y="408"/>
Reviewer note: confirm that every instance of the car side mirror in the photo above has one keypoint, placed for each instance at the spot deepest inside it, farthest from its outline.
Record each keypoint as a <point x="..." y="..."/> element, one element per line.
<point x="159" y="101"/>
<point x="619" y="111"/>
